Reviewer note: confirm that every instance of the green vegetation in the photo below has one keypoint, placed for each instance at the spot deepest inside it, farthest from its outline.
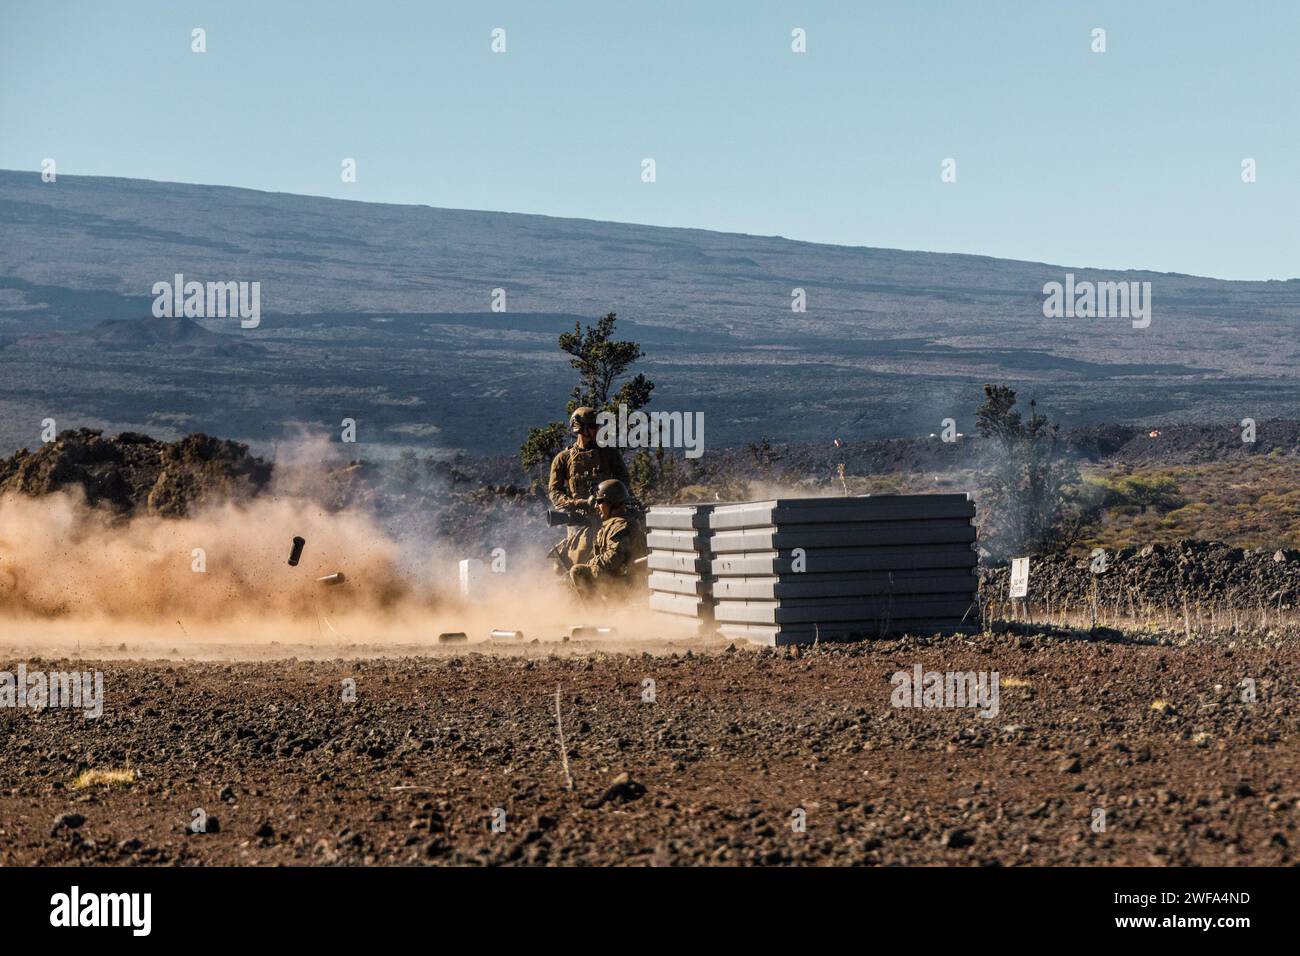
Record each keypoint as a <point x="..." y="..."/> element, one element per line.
<point x="600" y="362"/>
<point x="1148" y="491"/>
<point x="1248" y="503"/>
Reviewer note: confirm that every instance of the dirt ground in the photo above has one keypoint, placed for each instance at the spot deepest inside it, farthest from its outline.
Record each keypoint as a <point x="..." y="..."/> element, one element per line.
<point x="455" y="758"/>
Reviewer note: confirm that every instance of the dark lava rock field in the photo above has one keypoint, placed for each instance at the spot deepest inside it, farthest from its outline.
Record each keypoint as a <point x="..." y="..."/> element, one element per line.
<point x="1157" y="578"/>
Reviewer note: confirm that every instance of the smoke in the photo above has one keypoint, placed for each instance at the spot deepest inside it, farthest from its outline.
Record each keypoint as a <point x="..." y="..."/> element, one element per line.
<point x="1026" y="494"/>
<point x="60" y="558"/>
<point x="218" y="584"/>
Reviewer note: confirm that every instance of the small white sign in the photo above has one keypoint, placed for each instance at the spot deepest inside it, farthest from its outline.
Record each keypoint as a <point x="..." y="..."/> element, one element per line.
<point x="1019" y="577"/>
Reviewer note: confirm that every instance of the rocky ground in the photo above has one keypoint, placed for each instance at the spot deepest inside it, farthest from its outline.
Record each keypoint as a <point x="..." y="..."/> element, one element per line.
<point x="1154" y="580"/>
<point x="735" y="747"/>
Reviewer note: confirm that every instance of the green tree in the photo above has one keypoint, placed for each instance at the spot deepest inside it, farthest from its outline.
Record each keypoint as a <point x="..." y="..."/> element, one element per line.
<point x="1158" y="491"/>
<point x="600" y="362"/>
<point x="1027" y="477"/>
<point x="543" y="444"/>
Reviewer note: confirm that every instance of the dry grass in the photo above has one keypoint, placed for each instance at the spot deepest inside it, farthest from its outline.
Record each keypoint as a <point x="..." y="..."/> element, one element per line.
<point x="104" y="778"/>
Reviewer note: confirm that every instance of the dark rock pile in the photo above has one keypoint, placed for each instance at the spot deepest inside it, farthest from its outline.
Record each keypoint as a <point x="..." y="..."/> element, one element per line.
<point x="1181" y="444"/>
<point x="135" y="474"/>
<point x="1205" y="574"/>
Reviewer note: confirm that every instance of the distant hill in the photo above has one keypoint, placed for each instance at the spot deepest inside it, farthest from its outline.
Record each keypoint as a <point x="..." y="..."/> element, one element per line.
<point x="176" y="335"/>
<point x="382" y="313"/>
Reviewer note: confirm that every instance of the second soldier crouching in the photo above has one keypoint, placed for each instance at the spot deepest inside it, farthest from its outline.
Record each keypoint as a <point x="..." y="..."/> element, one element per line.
<point x="613" y="570"/>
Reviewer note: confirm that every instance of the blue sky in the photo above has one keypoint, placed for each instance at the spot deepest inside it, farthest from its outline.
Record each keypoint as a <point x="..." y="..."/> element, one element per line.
<point x="1126" y="159"/>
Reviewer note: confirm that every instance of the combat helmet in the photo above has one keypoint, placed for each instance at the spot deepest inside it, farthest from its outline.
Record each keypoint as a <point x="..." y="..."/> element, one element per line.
<point x="612" y="492"/>
<point x="584" y="415"/>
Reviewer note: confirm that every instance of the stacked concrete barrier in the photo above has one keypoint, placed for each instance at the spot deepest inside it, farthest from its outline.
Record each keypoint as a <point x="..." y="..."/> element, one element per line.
<point x="795" y="570"/>
<point x="680" y="576"/>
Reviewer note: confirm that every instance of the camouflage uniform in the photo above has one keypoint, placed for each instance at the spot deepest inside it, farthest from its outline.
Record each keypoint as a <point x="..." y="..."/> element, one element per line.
<point x="575" y="474"/>
<point x="612" y="570"/>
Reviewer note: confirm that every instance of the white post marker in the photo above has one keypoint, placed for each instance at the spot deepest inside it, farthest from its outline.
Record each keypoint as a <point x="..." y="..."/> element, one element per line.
<point x="1019" y="578"/>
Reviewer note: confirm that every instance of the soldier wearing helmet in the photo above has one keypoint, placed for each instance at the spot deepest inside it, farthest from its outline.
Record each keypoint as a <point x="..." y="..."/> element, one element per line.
<point x="613" y="569"/>
<point x="575" y="474"/>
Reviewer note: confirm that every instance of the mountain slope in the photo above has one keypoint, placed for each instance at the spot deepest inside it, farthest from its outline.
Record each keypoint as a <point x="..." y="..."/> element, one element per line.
<point x="383" y="313"/>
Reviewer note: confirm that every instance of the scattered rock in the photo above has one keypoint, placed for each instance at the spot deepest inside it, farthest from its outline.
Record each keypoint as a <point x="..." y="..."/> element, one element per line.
<point x="70" y="821"/>
<point x="957" y="838"/>
<point x="622" y="788"/>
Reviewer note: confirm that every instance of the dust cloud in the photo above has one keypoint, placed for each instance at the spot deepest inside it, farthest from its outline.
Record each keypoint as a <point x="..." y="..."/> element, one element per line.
<point x="77" y="580"/>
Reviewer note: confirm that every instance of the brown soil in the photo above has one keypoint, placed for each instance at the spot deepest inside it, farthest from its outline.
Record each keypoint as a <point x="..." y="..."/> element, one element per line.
<point x="734" y="744"/>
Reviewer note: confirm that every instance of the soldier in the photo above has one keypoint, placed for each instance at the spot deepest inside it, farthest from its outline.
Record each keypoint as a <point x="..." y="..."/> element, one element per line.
<point x="575" y="473"/>
<point x="613" y="570"/>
